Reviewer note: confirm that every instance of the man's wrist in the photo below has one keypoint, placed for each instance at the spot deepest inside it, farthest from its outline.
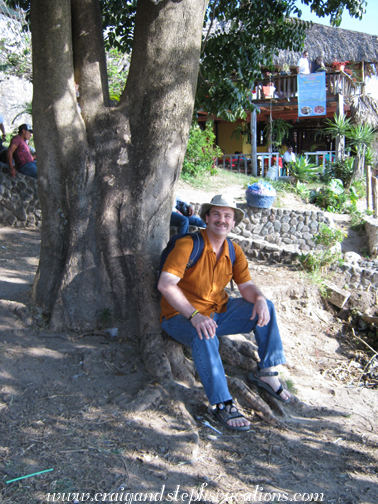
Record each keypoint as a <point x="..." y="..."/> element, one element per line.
<point x="193" y="315"/>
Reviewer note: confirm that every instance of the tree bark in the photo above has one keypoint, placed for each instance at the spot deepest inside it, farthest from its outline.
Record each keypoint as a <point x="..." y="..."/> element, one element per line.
<point x="106" y="175"/>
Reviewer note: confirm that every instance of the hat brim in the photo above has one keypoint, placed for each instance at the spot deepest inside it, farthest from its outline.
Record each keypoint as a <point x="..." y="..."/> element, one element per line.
<point x="205" y="207"/>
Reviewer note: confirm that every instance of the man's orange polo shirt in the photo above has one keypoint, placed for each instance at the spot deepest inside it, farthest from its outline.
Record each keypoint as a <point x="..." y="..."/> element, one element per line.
<point x="203" y="284"/>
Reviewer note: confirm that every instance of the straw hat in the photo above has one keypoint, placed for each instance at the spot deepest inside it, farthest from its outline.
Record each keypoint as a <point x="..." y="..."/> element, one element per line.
<point x="222" y="200"/>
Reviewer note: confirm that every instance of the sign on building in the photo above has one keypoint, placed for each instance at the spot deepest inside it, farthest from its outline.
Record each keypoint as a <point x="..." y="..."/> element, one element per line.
<point x="311" y="94"/>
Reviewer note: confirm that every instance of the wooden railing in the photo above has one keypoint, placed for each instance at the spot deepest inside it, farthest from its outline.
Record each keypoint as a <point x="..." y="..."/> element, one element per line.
<point x="286" y="86"/>
<point x="241" y="163"/>
<point x="320" y="158"/>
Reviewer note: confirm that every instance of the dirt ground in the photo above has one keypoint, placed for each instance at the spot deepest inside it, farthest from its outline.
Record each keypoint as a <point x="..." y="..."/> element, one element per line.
<point x="65" y="408"/>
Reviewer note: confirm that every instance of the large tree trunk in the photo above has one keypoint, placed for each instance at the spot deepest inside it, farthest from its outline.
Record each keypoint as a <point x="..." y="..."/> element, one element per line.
<point x="106" y="175"/>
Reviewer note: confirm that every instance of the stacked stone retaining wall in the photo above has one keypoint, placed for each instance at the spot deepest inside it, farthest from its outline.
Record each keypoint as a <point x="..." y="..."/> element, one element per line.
<point x="274" y="235"/>
<point x="19" y="204"/>
<point x="281" y="226"/>
<point x="280" y="235"/>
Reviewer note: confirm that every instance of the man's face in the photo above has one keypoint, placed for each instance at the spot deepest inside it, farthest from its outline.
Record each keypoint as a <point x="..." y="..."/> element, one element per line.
<point x="290" y="150"/>
<point x="220" y="221"/>
<point x="26" y="134"/>
<point x="305" y="54"/>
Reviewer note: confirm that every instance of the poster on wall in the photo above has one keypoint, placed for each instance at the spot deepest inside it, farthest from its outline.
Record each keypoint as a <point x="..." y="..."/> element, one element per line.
<point x="311" y="94"/>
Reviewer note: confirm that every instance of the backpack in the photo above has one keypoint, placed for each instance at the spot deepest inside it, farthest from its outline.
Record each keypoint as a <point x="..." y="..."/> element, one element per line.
<point x="198" y="246"/>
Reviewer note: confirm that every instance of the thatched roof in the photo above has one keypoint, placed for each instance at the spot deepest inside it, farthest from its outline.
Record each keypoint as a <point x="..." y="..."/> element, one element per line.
<point x="334" y="44"/>
<point x="364" y="110"/>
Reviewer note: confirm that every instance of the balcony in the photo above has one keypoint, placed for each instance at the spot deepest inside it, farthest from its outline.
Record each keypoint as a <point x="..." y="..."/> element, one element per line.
<point x="284" y="87"/>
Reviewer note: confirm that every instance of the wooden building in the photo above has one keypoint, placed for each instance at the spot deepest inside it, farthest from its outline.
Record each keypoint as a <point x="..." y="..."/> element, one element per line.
<point x="275" y="95"/>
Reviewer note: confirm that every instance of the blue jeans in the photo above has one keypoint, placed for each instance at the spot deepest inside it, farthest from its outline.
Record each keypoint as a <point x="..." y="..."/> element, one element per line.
<point x="205" y="352"/>
<point x="29" y="169"/>
<point x="183" y="222"/>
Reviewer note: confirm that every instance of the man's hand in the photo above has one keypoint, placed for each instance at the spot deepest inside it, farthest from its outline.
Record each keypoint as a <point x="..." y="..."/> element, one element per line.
<point x="205" y="326"/>
<point x="253" y="294"/>
<point x="12" y="171"/>
<point x="261" y="309"/>
<point x="190" y="211"/>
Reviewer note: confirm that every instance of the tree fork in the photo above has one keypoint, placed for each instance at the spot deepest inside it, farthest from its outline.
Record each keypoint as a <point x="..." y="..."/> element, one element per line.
<point x="106" y="176"/>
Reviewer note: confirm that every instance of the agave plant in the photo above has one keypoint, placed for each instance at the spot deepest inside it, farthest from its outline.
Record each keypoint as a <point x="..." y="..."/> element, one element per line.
<point x="360" y="137"/>
<point x="340" y="126"/>
<point x="303" y="171"/>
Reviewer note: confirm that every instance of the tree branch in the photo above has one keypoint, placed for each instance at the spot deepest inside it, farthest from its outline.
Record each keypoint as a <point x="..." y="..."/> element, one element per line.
<point x="89" y="57"/>
<point x="209" y="30"/>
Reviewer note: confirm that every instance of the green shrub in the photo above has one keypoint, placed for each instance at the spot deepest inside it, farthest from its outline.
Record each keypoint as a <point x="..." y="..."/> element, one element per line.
<point x="328" y="236"/>
<point x="117" y="69"/>
<point x="357" y="220"/>
<point x="200" y="154"/>
<point x="332" y="197"/>
<point x="342" y="170"/>
<point x="359" y="186"/>
<point x="318" y="261"/>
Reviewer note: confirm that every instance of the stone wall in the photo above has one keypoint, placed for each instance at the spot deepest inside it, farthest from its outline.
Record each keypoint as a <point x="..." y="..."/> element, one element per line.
<point x="279" y="235"/>
<point x="281" y="226"/>
<point x="19" y="204"/>
<point x="371" y="228"/>
<point x="274" y="235"/>
<point x="359" y="273"/>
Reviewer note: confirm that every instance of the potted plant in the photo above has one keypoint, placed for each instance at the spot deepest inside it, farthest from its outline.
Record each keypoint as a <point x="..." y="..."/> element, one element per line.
<point x="339" y="65"/>
<point x="276" y="131"/>
<point x="285" y="69"/>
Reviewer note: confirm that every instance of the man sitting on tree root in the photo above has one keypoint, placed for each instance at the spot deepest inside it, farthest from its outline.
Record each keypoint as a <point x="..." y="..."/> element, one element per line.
<point x="196" y="310"/>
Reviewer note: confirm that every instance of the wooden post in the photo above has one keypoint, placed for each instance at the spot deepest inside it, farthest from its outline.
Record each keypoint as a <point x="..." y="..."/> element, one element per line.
<point x="340" y="140"/>
<point x="375" y="195"/>
<point x="254" y="142"/>
<point x="368" y="187"/>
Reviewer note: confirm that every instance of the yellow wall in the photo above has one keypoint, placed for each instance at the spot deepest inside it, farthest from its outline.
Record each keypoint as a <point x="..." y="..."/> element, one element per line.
<point x="246" y="145"/>
<point x="230" y="145"/>
<point x="225" y="142"/>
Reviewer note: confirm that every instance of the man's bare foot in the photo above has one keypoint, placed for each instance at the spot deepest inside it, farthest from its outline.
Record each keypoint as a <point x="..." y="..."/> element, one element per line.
<point x="271" y="383"/>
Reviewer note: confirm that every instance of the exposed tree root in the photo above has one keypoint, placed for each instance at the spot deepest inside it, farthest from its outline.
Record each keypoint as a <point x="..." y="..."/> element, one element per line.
<point x="182" y="368"/>
<point x="148" y="397"/>
<point x="252" y="400"/>
<point x="152" y="348"/>
<point x="173" y="395"/>
<point x="175" y="372"/>
<point x="238" y="352"/>
<point x="18" y="309"/>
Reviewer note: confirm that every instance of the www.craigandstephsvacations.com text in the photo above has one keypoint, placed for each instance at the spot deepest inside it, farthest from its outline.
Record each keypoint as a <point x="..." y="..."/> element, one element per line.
<point x="199" y="494"/>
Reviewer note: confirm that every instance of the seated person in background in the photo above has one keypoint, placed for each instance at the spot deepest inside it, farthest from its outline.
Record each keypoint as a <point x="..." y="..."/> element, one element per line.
<point x="19" y="151"/>
<point x="182" y="216"/>
<point x="288" y="157"/>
